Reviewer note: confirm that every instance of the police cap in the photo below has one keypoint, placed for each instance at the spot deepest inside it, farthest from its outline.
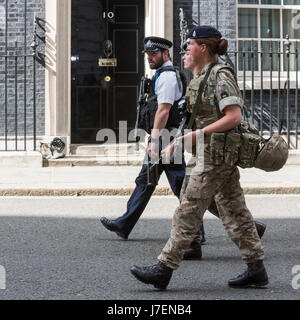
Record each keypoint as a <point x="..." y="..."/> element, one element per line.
<point x="156" y="44"/>
<point x="204" y="32"/>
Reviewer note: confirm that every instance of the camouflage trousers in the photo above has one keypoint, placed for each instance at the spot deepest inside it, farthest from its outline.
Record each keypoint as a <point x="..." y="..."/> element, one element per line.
<point x="219" y="191"/>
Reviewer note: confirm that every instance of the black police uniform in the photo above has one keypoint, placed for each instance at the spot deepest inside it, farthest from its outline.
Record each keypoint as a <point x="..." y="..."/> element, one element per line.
<point x="143" y="192"/>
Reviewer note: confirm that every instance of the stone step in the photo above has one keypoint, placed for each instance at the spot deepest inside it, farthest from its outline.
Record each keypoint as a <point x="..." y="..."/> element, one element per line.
<point x="294" y="157"/>
<point x="107" y="150"/>
<point x="115" y="159"/>
<point x="89" y="161"/>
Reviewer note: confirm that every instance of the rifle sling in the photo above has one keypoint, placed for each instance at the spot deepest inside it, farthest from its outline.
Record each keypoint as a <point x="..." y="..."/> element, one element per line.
<point x="199" y="98"/>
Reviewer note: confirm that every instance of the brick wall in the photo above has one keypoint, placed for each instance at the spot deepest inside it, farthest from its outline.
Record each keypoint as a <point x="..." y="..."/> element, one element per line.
<point x="16" y="44"/>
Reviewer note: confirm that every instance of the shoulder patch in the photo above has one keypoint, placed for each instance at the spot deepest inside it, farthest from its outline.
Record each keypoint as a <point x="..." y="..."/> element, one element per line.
<point x="223" y="94"/>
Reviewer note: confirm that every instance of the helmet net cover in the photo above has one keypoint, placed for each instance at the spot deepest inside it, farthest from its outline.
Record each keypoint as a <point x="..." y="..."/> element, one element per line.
<point x="273" y="156"/>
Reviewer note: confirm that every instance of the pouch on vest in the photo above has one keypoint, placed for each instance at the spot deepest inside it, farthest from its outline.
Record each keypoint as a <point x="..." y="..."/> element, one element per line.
<point x="232" y="148"/>
<point x="250" y="145"/>
<point x="217" y="144"/>
<point x="148" y="115"/>
<point x="240" y="148"/>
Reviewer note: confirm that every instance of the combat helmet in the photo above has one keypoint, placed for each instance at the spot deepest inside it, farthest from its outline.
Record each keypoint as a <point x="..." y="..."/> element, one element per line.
<point x="273" y="155"/>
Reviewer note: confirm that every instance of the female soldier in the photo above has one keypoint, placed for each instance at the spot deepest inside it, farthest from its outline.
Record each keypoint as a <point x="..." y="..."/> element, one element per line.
<point x="219" y="111"/>
<point x="195" y="251"/>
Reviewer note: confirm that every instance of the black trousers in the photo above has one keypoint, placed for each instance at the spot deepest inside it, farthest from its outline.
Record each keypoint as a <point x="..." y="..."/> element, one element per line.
<point x="143" y="192"/>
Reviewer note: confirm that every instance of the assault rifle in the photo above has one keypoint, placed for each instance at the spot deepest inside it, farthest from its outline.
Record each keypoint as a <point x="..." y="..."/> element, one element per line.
<point x="144" y="86"/>
<point x="180" y="132"/>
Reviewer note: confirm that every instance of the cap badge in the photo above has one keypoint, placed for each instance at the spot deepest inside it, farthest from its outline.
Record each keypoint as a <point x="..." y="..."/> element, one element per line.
<point x="149" y="43"/>
<point x="194" y="34"/>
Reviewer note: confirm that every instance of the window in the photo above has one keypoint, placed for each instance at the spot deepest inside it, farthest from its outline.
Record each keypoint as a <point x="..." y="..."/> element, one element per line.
<point x="263" y="26"/>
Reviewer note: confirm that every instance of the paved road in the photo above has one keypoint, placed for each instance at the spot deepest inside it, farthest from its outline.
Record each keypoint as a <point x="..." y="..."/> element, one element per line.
<point x="55" y="248"/>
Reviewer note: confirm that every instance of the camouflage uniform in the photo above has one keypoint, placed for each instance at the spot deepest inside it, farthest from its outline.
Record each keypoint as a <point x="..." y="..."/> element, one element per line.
<point x="217" y="188"/>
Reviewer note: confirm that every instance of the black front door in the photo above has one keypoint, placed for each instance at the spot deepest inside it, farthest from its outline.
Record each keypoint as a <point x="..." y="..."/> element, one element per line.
<point x="104" y="95"/>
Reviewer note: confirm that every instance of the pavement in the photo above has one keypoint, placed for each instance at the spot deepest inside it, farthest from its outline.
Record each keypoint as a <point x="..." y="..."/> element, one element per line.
<point x="120" y="181"/>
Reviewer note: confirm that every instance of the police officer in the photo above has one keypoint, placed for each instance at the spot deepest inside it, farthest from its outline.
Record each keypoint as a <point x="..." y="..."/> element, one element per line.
<point x="219" y="111"/>
<point x="164" y="93"/>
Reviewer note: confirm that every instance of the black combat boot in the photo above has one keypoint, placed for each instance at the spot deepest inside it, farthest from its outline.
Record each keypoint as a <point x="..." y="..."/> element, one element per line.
<point x="261" y="228"/>
<point x="194" y="252"/>
<point x="255" y="276"/>
<point x="111" y="226"/>
<point x="158" y="275"/>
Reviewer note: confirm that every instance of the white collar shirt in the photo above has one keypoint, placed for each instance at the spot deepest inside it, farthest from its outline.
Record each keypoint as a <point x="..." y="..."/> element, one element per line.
<point x="166" y="87"/>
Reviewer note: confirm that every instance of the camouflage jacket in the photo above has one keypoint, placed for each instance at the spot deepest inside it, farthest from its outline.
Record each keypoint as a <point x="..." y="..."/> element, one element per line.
<point x="221" y="91"/>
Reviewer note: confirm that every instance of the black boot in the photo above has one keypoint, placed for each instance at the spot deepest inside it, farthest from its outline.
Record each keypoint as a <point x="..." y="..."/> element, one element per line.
<point x="261" y="228"/>
<point x="158" y="275"/>
<point x="111" y="226"/>
<point x="255" y="275"/>
<point x="194" y="252"/>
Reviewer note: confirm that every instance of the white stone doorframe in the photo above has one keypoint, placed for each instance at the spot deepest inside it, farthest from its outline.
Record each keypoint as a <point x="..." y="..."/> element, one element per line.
<point x="158" y="22"/>
<point x="58" y="70"/>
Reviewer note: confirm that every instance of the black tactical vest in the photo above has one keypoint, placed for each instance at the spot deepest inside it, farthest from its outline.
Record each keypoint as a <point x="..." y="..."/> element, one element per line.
<point x="148" y="112"/>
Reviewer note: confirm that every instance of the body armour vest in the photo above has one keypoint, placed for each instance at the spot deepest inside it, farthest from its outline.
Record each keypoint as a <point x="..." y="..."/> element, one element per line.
<point x="209" y="111"/>
<point x="148" y="112"/>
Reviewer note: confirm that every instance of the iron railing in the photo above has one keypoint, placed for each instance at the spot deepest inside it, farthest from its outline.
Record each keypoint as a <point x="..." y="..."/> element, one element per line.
<point x="268" y="76"/>
<point x="269" y="81"/>
<point x="18" y="86"/>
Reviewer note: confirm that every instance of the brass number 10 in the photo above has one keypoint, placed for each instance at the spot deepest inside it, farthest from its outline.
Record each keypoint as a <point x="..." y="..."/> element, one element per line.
<point x="109" y="15"/>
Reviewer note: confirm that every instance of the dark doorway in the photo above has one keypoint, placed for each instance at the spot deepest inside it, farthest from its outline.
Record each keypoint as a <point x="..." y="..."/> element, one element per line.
<point x="103" y="96"/>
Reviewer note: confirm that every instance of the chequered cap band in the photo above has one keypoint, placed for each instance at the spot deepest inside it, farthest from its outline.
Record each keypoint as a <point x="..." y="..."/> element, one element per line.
<point x="156" y="45"/>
